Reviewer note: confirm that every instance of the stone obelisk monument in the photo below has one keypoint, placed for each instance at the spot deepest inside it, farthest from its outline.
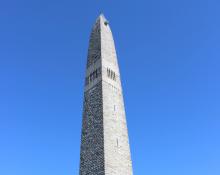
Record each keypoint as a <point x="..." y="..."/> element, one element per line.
<point x="104" y="140"/>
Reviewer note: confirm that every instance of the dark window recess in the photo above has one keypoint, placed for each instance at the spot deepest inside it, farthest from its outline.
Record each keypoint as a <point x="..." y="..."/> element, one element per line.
<point x="87" y="80"/>
<point x="95" y="74"/>
<point x="99" y="71"/>
<point x="111" y="74"/>
<point x="106" y="23"/>
<point x="108" y="72"/>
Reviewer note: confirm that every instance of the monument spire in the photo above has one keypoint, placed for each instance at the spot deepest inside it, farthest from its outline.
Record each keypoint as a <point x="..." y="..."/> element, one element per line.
<point x="104" y="140"/>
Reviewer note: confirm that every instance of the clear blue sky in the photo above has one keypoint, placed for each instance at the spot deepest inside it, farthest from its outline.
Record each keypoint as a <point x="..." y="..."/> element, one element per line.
<point x="169" y="55"/>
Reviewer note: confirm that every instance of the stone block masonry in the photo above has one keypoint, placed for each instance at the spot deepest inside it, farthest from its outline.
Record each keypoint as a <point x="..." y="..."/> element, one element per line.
<point x="104" y="140"/>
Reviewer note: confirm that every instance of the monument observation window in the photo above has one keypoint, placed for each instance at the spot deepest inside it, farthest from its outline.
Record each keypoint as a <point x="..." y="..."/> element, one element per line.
<point x="111" y="74"/>
<point x="93" y="75"/>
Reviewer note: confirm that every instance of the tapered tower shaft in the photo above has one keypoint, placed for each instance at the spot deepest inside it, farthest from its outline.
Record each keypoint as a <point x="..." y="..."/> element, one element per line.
<point x="104" y="140"/>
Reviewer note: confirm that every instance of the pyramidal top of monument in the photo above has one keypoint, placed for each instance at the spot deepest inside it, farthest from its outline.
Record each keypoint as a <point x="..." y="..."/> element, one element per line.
<point x="102" y="16"/>
<point x="101" y="19"/>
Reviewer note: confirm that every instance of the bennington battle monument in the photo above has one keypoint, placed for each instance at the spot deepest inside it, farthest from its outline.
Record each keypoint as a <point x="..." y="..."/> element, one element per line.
<point x="104" y="140"/>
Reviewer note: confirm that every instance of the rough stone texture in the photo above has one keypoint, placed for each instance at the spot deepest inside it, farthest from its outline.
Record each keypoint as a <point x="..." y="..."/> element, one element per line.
<point x="104" y="141"/>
